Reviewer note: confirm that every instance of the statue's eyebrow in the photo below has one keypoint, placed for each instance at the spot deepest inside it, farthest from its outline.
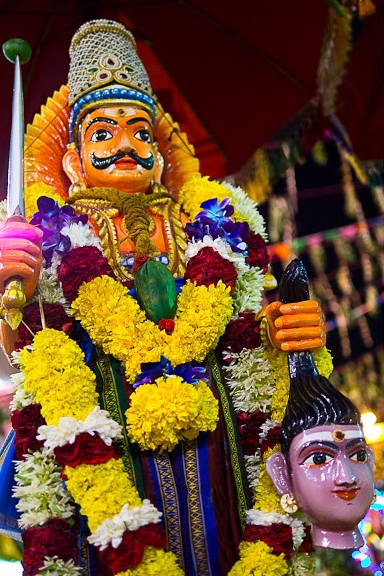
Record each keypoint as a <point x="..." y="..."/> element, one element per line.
<point x="100" y="119"/>
<point x="318" y="443"/>
<point x="138" y="119"/>
<point x="356" y="441"/>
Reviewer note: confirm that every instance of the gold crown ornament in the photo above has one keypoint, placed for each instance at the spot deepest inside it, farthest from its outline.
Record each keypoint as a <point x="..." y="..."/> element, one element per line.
<point x="104" y="68"/>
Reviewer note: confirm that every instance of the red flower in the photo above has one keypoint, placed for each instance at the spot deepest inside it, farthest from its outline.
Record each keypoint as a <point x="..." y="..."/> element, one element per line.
<point x="257" y="251"/>
<point x="273" y="438"/>
<point x="243" y="332"/>
<point x="208" y="267"/>
<point x="249" y="427"/>
<point x="55" y="538"/>
<point x="86" y="449"/>
<point x="306" y="546"/>
<point x="81" y="265"/>
<point x="55" y="317"/>
<point x="278" y="536"/>
<point x="167" y="324"/>
<point x="130" y="552"/>
<point x="25" y="423"/>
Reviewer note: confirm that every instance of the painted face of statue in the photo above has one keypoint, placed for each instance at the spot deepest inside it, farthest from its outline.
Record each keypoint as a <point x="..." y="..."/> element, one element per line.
<point x="330" y="474"/>
<point x="116" y="150"/>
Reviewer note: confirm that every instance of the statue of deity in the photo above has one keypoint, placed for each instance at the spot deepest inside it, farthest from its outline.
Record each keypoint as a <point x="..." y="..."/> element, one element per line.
<point x="148" y="364"/>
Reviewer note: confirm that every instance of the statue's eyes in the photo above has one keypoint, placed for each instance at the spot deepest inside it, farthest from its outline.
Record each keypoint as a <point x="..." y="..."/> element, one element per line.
<point x="144" y="136"/>
<point x="317" y="459"/>
<point x="359" y="456"/>
<point x="101" y="135"/>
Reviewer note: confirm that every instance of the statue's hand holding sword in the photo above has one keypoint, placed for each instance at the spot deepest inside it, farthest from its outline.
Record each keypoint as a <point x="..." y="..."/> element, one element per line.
<point x="20" y="242"/>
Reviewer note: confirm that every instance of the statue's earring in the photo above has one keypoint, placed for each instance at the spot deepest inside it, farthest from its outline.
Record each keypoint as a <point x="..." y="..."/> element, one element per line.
<point x="373" y="497"/>
<point x="288" y="503"/>
<point x="76" y="187"/>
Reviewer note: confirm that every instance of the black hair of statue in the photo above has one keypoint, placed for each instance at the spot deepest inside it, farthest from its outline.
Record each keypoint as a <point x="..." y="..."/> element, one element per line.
<point x="312" y="402"/>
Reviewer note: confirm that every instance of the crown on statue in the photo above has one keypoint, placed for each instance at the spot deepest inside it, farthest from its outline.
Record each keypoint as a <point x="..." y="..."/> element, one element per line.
<point x="105" y="68"/>
<point x="103" y="52"/>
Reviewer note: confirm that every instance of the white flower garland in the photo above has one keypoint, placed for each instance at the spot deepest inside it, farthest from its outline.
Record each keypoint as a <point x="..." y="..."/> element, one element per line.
<point x="98" y="421"/>
<point x="247" y="210"/>
<point x="54" y="566"/>
<point x="250" y="381"/>
<point x="112" y="531"/>
<point x="249" y="291"/>
<point x="40" y="490"/>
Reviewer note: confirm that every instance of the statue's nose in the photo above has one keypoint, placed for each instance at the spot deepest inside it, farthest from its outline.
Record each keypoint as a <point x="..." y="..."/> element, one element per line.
<point x="124" y="142"/>
<point x="344" y="472"/>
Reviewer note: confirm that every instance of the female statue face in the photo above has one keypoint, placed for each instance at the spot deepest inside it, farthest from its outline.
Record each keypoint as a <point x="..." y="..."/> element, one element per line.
<point x="117" y="150"/>
<point x="330" y="473"/>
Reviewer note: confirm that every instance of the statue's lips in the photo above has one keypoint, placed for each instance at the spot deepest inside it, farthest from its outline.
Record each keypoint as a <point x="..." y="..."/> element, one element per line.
<point x="126" y="163"/>
<point x="347" y="494"/>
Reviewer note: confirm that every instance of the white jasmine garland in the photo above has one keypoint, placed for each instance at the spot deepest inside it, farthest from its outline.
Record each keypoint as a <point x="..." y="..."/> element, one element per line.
<point x="20" y="398"/>
<point x="249" y="379"/>
<point x="54" y="566"/>
<point x="98" y="421"/>
<point x="111" y="531"/>
<point x="40" y="490"/>
<point x="298" y="531"/>
<point x="247" y="210"/>
<point x="263" y="518"/>
<point x="249" y="291"/>
<point x="222" y="247"/>
<point x="266" y="427"/>
<point x="252" y="468"/>
<point x="81" y="235"/>
<point x="49" y="287"/>
<point x="302" y="565"/>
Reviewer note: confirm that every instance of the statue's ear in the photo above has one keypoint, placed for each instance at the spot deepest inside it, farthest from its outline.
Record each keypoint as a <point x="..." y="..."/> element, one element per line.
<point x="159" y="166"/>
<point x="72" y="166"/>
<point x="277" y="468"/>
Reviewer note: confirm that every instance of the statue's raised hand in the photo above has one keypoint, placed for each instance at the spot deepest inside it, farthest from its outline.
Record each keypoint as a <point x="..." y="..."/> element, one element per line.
<point x="20" y="254"/>
<point x="297" y="326"/>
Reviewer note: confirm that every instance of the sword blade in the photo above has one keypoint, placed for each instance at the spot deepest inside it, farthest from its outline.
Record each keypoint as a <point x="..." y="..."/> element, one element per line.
<point x="15" y="191"/>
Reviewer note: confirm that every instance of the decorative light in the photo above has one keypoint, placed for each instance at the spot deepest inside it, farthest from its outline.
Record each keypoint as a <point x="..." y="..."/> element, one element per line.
<point x="373" y="432"/>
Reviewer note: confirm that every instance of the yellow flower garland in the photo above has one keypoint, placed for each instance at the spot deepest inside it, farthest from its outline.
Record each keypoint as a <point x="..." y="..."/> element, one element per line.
<point x="55" y="373"/>
<point x="155" y="563"/>
<point x="114" y="321"/>
<point x="101" y="490"/>
<point x="257" y="559"/>
<point x="200" y="189"/>
<point x="170" y="410"/>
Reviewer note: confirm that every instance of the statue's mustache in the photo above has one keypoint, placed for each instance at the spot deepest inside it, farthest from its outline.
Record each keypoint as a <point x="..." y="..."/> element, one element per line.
<point x="103" y="163"/>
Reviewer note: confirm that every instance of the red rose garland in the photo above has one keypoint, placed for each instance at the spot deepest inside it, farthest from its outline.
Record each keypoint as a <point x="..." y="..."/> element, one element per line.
<point x="208" y="267"/>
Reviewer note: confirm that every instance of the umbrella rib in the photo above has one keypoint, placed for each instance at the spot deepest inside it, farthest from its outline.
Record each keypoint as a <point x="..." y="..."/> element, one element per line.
<point x="244" y="41"/>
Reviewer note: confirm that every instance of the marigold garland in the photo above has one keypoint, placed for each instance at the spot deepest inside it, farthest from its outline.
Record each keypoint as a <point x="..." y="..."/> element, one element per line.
<point x="55" y="373"/>
<point x="155" y="563"/>
<point x="170" y="410"/>
<point x="115" y="322"/>
<point x="257" y="559"/>
<point x="101" y="490"/>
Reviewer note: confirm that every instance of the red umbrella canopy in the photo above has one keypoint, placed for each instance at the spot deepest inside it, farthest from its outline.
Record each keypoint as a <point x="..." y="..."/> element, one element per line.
<point x="231" y="73"/>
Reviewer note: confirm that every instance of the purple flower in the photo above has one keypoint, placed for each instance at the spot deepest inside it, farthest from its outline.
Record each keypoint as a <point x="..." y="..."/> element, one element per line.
<point x="51" y="219"/>
<point x="215" y="220"/>
<point x="190" y="372"/>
